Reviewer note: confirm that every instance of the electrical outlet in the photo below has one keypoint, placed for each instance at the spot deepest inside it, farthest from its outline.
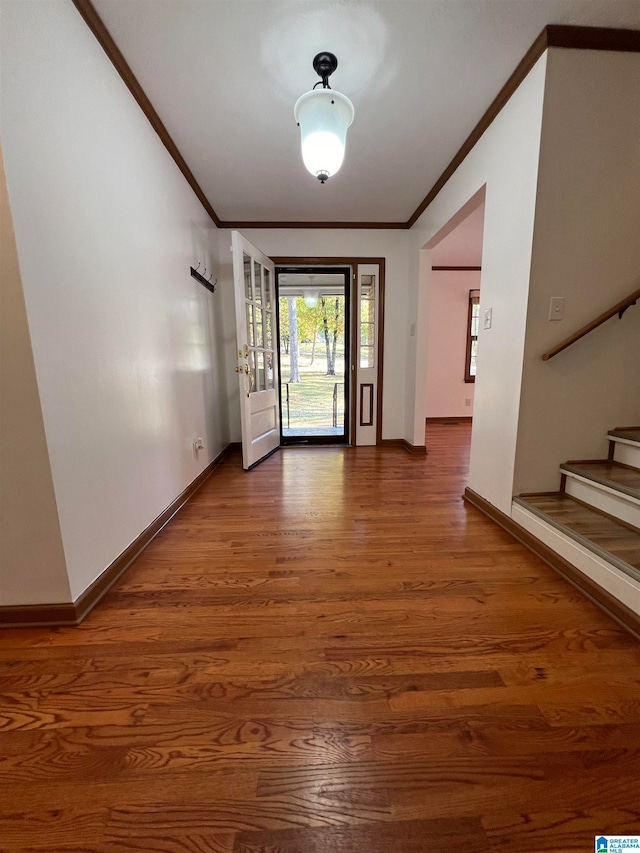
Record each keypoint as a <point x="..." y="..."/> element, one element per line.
<point x="198" y="445"/>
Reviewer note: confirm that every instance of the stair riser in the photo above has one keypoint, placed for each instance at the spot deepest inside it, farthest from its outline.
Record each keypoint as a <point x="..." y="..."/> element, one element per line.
<point x="628" y="454"/>
<point x="614" y="503"/>
<point x="619" y="585"/>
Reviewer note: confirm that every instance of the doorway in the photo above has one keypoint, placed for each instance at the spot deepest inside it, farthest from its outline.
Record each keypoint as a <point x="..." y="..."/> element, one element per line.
<point x="314" y="311"/>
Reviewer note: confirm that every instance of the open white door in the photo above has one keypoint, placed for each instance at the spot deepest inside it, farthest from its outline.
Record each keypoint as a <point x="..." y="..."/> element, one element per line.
<point x="254" y="281"/>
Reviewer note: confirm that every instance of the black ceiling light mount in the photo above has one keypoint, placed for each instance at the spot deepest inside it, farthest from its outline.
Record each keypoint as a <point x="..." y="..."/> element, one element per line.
<point x="323" y="116"/>
<point x="324" y="64"/>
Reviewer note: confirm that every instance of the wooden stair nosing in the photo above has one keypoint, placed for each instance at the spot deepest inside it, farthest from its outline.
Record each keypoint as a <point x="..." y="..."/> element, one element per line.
<point x="576" y="467"/>
<point x="618" y="562"/>
<point x="618" y="521"/>
<point x="630" y="434"/>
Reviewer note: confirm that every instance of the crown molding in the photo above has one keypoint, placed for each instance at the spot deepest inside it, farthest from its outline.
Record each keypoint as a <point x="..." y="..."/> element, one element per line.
<point x="102" y="34"/>
<point x="368" y="225"/>
<point x="553" y="35"/>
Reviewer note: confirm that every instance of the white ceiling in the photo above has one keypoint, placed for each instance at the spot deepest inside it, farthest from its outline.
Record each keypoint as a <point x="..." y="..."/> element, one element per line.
<point x="224" y="75"/>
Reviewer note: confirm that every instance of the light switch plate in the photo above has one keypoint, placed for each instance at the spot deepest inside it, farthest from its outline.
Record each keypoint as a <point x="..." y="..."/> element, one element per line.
<point x="488" y="312"/>
<point x="556" y="308"/>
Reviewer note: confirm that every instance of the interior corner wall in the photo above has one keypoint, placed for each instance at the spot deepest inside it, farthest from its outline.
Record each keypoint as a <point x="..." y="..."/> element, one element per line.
<point x="32" y="563"/>
<point x="505" y="159"/>
<point x="128" y="348"/>
<point x="447" y="333"/>
<point x="393" y="245"/>
<point x="586" y="249"/>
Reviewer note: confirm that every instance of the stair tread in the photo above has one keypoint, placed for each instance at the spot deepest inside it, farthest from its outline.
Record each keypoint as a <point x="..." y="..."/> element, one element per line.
<point x="588" y="526"/>
<point x="623" y="478"/>
<point x="628" y="433"/>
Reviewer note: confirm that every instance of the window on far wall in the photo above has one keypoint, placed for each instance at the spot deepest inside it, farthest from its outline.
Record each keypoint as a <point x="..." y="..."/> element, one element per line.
<point x="472" y="336"/>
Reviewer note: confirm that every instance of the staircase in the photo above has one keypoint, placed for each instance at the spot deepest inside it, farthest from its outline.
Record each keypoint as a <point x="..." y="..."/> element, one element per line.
<point x="593" y="522"/>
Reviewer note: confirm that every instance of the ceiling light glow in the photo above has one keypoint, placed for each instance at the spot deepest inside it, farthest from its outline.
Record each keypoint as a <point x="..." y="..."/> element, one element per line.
<point x="323" y="116"/>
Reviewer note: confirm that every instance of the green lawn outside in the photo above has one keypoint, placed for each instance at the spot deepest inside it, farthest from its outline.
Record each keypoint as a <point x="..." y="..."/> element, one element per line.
<point x="311" y="399"/>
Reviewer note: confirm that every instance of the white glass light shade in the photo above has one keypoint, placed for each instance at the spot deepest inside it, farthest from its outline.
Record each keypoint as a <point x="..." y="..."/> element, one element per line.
<point x="324" y="116"/>
<point x="311" y="298"/>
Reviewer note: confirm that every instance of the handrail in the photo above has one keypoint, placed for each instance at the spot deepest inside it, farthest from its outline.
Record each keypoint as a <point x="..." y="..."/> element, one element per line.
<point x="618" y="309"/>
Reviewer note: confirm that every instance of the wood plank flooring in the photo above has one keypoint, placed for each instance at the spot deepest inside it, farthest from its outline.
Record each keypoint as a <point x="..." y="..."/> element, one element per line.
<point x="330" y="653"/>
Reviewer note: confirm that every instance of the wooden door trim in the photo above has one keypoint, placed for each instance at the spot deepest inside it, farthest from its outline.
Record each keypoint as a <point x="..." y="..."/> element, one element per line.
<point x="348" y="271"/>
<point x="353" y="262"/>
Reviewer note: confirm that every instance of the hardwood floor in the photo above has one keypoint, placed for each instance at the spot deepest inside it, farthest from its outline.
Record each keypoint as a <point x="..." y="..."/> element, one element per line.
<point x="330" y="654"/>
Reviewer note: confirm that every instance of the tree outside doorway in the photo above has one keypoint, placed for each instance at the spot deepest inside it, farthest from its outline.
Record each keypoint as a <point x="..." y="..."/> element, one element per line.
<point x="312" y="350"/>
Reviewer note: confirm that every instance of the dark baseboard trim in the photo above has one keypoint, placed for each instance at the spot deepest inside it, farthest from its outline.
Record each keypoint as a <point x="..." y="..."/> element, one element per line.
<point x="465" y="420"/>
<point x="456" y="269"/>
<point x="414" y="449"/>
<point x="32" y="615"/>
<point x="618" y="611"/>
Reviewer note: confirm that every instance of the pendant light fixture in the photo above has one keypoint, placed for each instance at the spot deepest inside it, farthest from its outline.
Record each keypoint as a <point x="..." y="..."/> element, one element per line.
<point x="323" y="116"/>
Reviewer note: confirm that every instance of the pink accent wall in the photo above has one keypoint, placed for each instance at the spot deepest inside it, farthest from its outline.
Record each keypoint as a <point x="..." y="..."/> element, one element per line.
<point x="447" y="342"/>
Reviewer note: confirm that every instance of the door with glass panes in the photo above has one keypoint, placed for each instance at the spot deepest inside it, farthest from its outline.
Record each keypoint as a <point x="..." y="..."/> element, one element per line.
<point x="257" y="365"/>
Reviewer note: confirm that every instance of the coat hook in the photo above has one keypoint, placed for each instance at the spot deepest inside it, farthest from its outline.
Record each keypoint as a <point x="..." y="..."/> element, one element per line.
<point x="198" y="267"/>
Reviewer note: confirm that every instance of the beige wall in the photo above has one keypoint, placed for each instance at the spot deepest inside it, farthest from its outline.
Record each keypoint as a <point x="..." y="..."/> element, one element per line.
<point x="561" y="165"/>
<point x="32" y="563"/>
<point x="128" y="347"/>
<point x="587" y="249"/>
<point x="505" y="160"/>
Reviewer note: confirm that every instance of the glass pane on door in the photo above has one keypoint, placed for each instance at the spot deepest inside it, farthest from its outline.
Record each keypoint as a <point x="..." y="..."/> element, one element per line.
<point x="248" y="290"/>
<point x="313" y="355"/>
<point x="257" y="279"/>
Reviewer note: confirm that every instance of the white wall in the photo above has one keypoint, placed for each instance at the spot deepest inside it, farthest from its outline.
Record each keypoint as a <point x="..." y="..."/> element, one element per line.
<point x="506" y="160"/>
<point x="447" y="325"/>
<point x="587" y="249"/>
<point x="32" y="560"/>
<point x="128" y="348"/>
<point x="389" y="244"/>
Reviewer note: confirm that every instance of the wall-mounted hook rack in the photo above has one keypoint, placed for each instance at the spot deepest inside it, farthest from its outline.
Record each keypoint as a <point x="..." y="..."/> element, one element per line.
<point x="205" y="282"/>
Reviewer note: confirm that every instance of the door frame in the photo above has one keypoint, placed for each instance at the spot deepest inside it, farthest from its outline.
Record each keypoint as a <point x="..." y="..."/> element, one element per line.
<point x="345" y="438"/>
<point x="353" y="262"/>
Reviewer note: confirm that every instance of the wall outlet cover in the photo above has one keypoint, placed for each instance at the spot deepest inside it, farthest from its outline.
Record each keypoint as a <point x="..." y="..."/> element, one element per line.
<point x="556" y="308"/>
